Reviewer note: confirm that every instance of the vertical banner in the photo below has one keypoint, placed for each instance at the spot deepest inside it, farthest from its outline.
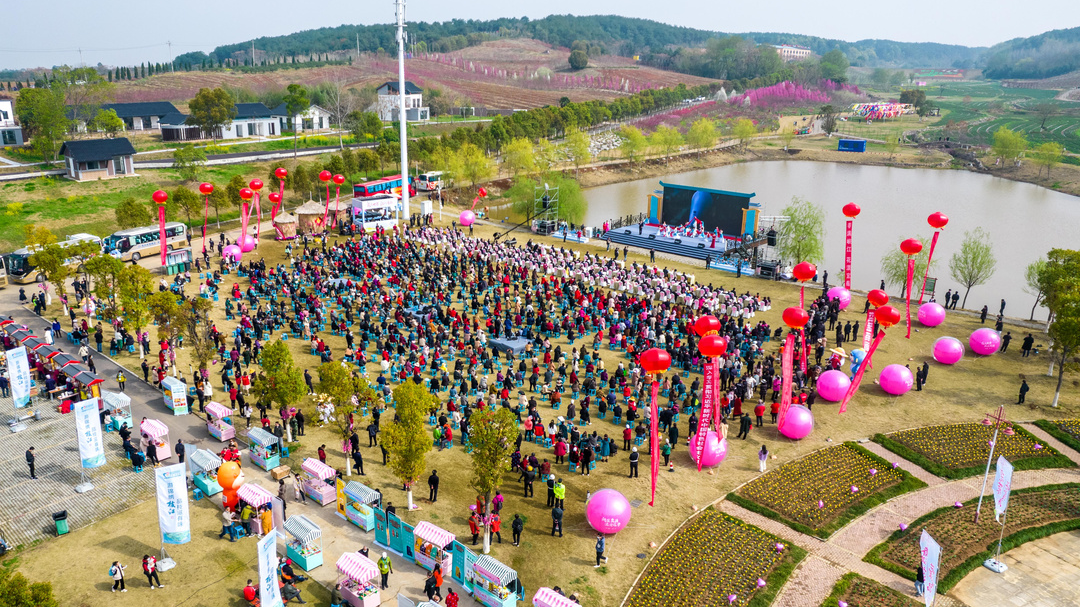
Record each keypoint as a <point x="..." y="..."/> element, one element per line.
<point x="786" y="364"/>
<point x="19" y="375"/>
<point x="931" y="554"/>
<point x="206" y="218"/>
<point x="269" y="592"/>
<point x="1002" y="486"/>
<point x="910" y="281"/>
<point x="245" y="211"/>
<point x="277" y="514"/>
<point x="88" y="427"/>
<point x="654" y="440"/>
<point x="717" y="418"/>
<point x="173" y="516"/>
<point x="854" y="387"/>
<point x="929" y="258"/>
<point x="161" y="232"/>
<point x="847" y="256"/>
<point x="868" y="330"/>
<point x="707" y="396"/>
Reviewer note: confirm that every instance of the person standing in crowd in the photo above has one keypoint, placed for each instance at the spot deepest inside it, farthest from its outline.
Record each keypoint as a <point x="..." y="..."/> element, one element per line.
<point x="1023" y="391"/>
<point x="599" y="550"/>
<point x="1005" y="339"/>
<point x="149" y="565"/>
<point x="744" y="426"/>
<point x="433" y="487"/>
<point x="180" y="450"/>
<point x="920" y="580"/>
<point x="763" y="456"/>
<point x="517" y="526"/>
<point x="116" y="571"/>
<point x="385" y="569"/>
<point x="30" y="458"/>
<point x="556" y="521"/>
<point x="633" y="463"/>
<point x="1025" y="346"/>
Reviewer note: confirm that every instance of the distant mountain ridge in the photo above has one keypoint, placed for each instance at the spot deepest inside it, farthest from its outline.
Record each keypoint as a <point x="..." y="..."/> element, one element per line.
<point x="1049" y="54"/>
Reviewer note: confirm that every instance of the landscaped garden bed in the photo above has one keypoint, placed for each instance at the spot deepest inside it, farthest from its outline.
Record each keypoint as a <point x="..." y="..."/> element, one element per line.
<point x="1065" y="430"/>
<point x="716" y="559"/>
<point x="961" y="450"/>
<point x="821" y="492"/>
<point x="1033" y="513"/>
<point x="858" y="591"/>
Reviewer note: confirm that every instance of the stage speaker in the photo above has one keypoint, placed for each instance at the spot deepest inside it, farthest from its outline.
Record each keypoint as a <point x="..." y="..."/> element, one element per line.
<point x="652" y="236"/>
<point x="771" y="237"/>
<point x="678" y="241"/>
<point x="626" y="231"/>
<point x="701" y="245"/>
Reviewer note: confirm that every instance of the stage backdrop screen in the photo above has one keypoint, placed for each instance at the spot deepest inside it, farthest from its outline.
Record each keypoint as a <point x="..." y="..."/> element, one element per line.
<point x="715" y="209"/>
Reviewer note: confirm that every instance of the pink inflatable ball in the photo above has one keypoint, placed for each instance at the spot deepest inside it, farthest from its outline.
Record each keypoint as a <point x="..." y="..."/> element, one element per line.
<point x="608" y="511"/>
<point x="715" y="449"/>
<point x="839" y="293"/>
<point x="931" y="314"/>
<point x="948" y="350"/>
<point x="798" y="422"/>
<point x="985" y="341"/>
<point x="467" y="218"/>
<point x="232" y="253"/>
<point x="896" y="379"/>
<point x="833" y="385"/>
<point x="247" y="243"/>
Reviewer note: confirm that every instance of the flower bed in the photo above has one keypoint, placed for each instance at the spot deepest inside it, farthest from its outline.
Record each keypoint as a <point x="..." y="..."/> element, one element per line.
<point x="821" y="492"/>
<point x="716" y="559"/>
<point x="961" y="450"/>
<point x="1033" y="513"/>
<point x="858" y="591"/>
<point x="1065" y="430"/>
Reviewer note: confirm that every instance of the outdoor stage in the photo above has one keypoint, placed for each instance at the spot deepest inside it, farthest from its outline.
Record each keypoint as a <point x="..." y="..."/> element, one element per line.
<point x="695" y="248"/>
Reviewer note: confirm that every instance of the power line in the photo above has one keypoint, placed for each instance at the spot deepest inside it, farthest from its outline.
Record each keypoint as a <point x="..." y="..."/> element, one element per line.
<point x="96" y="50"/>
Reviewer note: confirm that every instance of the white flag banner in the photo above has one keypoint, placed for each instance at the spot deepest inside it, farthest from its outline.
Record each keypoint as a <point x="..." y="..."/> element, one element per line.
<point x="88" y="427"/>
<point x="931" y="556"/>
<point x="19" y="376"/>
<point x="269" y="592"/>
<point x="1002" y="486"/>
<point x="173" y="511"/>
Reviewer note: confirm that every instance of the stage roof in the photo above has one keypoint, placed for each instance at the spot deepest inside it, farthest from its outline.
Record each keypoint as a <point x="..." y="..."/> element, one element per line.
<point x="724" y="192"/>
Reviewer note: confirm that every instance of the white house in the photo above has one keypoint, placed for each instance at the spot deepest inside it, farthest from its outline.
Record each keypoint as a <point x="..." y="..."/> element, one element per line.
<point x="141" y="116"/>
<point x="10" y="131"/>
<point x="251" y="120"/>
<point x="388" y="102"/>
<point x="92" y="159"/>
<point x="792" y="52"/>
<point x="314" y="118"/>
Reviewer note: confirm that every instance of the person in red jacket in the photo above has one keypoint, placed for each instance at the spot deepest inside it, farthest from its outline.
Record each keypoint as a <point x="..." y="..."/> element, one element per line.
<point x="774" y="409"/>
<point x="474" y="527"/>
<point x="759" y="412"/>
<point x="451" y="598"/>
<point x="496" y="526"/>
<point x="560" y="451"/>
<point x="626" y="436"/>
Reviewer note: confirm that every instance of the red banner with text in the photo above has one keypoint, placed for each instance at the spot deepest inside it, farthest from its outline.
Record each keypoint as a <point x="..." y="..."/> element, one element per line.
<point x="161" y="232"/>
<point x="708" y="396"/>
<point x="859" y="374"/>
<point x="868" y="330"/>
<point x="654" y="440"/>
<point x="786" y="370"/>
<point x="847" y="257"/>
<point x="910" y="280"/>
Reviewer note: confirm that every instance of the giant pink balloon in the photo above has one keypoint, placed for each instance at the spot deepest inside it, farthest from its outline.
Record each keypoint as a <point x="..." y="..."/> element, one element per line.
<point x="896" y="379"/>
<point x="931" y="314"/>
<point x="798" y="422"/>
<point x="608" y="511"/>
<point x="833" y="385"/>
<point x="948" y="350"/>
<point x="839" y="293"/>
<point x="985" y="341"/>
<point x="232" y="252"/>
<point x="715" y="449"/>
<point x="247" y="243"/>
<point x="467" y="218"/>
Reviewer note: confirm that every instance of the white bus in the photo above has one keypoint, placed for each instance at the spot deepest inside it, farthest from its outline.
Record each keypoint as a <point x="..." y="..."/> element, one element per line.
<point x="137" y="243"/>
<point x="430" y="181"/>
<point x="21" y="271"/>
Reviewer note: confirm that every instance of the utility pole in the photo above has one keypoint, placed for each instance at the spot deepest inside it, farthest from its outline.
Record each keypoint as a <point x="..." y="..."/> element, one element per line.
<point x="171" y="67"/>
<point x="358" y="47"/>
<point x="252" y="53"/>
<point x="399" y="5"/>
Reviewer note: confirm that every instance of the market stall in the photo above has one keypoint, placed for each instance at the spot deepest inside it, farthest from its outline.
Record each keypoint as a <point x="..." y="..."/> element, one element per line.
<point x="359" y="499"/>
<point x="306" y="547"/>
<point x="318" y="481"/>
<point x="490" y="583"/>
<point x="204" y="466"/>
<point x="431" y="546"/>
<point x="264" y="449"/>
<point x="546" y="597"/>
<point x="84" y="384"/>
<point x="358" y="588"/>
<point x="218" y="422"/>
<point x="250" y="493"/>
<point x="118" y="407"/>
<point x="175" y="392"/>
<point x="155" y="431"/>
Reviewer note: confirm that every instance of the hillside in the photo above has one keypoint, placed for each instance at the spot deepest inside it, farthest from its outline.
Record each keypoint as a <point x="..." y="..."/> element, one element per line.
<point x="1049" y="54"/>
<point x="619" y="35"/>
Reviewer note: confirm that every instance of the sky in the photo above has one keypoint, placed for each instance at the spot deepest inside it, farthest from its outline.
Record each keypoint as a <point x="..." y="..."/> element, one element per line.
<point x="127" y="32"/>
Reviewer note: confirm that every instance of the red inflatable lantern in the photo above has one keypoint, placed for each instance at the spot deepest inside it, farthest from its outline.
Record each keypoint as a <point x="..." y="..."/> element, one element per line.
<point x="804" y="271"/>
<point x="796" y="318"/>
<point x="325" y="176"/>
<point x="275" y="197"/>
<point x="705" y="325"/>
<point x="877" y="298"/>
<point x="206" y="188"/>
<point x="938" y="220"/>
<point x="482" y="192"/>
<point x="246" y="193"/>
<point x="712" y="345"/>
<point x="161" y="197"/>
<point x="339" y="179"/>
<point x="256" y="184"/>
<point x="911" y="246"/>
<point x="655" y="360"/>
<point x="851" y="210"/>
<point x="887" y="316"/>
<point x="281" y="173"/>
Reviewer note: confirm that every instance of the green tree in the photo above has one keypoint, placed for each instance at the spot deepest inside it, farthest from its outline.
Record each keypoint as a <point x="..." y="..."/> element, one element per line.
<point x="232" y="190"/>
<point x="388" y="151"/>
<point x="130" y="213"/>
<point x="1044" y="111"/>
<point x="407" y="438"/>
<point x="44" y="118"/>
<point x="187" y="202"/>
<point x="1059" y="281"/>
<point x="296" y="101"/>
<point x="189" y="161"/>
<point x="194" y="324"/>
<point x="364" y="125"/>
<point x="366" y="161"/>
<point x="834" y="66"/>
<point x="802" y="236"/>
<point x="633" y="143"/>
<point x="787" y="136"/>
<point x="744" y="131"/>
<point x="218" y="200"/>
<point x="518" y="157"/>
<point x="83" y="91"/>
<point x="579" y="60"/>
<point x="576" y="147"/>
<point x="894" y="264"/>
<point x="892" y="144"/>
<point x="136" y="286"/>
<point x="17" y="591"/>
<point x="211" y="110"/>
<point x="104" y="272"/>
<point x="281" y="381"/>
<point x="974" y="263"/>
<point x="1009" y="145"/>
<point x="547" y="155"/>
<point x="1031" y="282"/>
<point x="475" y="164"/>
<point x="341" y="387"/>
<point x="492" y="435"/>
<point x="828" y="119"/>
<point x="107" y="121"/>
<point x="1047" y="156"/>
<point x="572" y="204"/>
<point x="666" y="139"/>
<point x="702" y="134"/>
